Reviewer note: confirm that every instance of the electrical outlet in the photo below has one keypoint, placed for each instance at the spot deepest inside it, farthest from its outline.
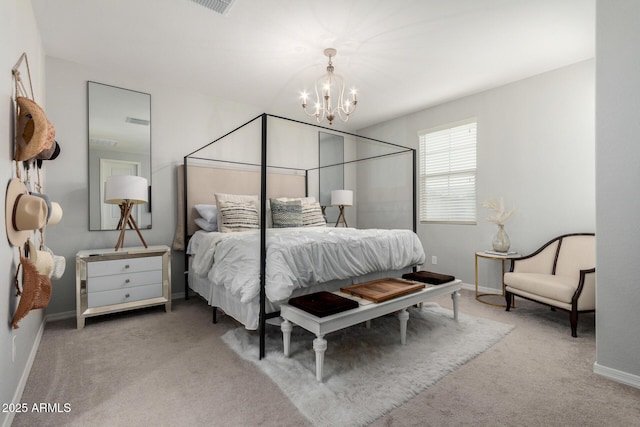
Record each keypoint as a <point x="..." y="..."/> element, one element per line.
<point x="434" y="260"/>
<point x="13" y="349"/>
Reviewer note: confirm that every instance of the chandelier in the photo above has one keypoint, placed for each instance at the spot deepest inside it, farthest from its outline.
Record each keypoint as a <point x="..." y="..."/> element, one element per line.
<point x="330" y="100"/>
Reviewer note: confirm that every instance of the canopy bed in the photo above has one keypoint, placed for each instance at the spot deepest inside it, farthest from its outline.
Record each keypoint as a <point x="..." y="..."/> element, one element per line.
<point x="254" y="235"/>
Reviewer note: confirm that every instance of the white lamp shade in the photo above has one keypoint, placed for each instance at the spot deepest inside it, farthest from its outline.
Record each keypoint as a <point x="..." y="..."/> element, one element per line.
<point x="341" y="198"/>
<point x="121" y="188"/>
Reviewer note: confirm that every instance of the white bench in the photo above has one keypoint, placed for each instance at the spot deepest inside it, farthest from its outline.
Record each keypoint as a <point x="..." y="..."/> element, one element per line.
<point x="321" y="326"/>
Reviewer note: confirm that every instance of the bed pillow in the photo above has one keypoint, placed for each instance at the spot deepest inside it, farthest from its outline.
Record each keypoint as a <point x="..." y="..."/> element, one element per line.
<point x="286" y="214"/>
<point x="208" y="212"/>
<point x="205" y="225"/>
<point x="237" y="198"/>
<point x="303" y="200"/>
<point x="312" y="215"/>
<point x="238" y="216"/>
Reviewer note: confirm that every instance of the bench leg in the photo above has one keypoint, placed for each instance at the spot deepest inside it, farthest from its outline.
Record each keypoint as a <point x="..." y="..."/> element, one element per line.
<point x="404" y="319"/>
<point x="319" y="345"/>
<point x="286" y="327"/>
<point x="454" y="297"/>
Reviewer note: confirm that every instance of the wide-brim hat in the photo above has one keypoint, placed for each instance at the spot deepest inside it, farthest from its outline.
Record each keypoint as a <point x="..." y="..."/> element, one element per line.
<point x="23" y="213"/>
<point x="56" y="152"/>
<point x="48" y="153"/>
<point x="59" y="264"/>
<point x="35" y="132"/>
<point x="55" y="214"/>
<point x="54" y="210"/>
<point x="47" y="200"/>
<point x="42" y="260"/>
<point x="36" y="291"/>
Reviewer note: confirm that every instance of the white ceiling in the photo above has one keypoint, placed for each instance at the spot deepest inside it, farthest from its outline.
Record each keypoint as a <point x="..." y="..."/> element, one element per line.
<point x="402" y="55"/>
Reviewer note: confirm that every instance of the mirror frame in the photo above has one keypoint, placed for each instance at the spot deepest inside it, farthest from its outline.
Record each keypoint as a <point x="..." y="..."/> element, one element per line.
<point x="101" y="137"/>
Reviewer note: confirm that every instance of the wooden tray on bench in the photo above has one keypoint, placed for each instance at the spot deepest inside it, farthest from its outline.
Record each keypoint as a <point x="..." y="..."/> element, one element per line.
<point x="383" y="289"/>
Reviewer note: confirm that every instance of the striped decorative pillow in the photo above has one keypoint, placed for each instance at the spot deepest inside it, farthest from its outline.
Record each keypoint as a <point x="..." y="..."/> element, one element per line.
<point x="286" y="214"/>
<point x="238" y="216"/>
<point x="312" y="215"/>
<point x="236" y="198"/>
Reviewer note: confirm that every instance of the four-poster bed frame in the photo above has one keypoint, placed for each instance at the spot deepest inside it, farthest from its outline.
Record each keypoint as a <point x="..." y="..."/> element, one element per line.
<point x="263" y="316"/>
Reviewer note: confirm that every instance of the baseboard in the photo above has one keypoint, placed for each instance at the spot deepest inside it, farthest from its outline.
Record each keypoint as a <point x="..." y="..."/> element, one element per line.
<point x="17" y="396"/>
<point x="616" y="375"/>
<point x="481" y="289"/>
<point x="60" y="316"/>
<point x="468" y="287"/>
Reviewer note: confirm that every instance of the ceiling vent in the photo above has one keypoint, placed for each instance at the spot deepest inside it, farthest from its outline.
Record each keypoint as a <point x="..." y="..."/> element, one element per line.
<point x="220" y="6"/>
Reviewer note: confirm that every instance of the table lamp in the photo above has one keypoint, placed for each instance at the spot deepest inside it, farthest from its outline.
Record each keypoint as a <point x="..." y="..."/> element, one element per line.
<point x="341" y="198"/>
<point x="126" y="191"/>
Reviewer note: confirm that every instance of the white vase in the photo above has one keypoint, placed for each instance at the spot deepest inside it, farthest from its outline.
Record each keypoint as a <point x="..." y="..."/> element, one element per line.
<point x="501" y="242"/>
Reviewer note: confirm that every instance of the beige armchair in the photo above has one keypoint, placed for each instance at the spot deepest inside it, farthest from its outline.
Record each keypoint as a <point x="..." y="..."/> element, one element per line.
<point x="561" y="274"/>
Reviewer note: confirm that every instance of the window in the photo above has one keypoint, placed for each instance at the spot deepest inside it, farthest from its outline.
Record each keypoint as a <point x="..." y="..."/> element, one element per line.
<point x="448" y="173"/>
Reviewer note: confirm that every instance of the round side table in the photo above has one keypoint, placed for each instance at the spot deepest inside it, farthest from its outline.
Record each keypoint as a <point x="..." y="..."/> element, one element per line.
<point x="494" y="257"/>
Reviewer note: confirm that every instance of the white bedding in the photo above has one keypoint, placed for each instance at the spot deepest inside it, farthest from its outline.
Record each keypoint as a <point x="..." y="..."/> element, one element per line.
<point x="299" y="257"/>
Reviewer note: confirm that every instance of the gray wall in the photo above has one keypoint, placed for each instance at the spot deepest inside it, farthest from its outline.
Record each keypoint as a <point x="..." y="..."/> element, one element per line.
<point x="617" y="190"/>
<point x="182" y="121"/>
<point x="18" y="34"/>
<point x="536" y="148"/>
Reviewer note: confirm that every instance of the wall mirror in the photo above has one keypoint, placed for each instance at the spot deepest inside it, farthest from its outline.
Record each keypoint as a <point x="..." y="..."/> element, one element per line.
<point x="119" y="144"/>
<point x="331" y="171"/>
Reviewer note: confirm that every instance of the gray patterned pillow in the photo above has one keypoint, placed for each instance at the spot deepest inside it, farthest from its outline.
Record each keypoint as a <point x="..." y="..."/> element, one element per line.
<point x="238" y="216"/>
<point x="286" y="214"/>
<point x="312" y="215"/>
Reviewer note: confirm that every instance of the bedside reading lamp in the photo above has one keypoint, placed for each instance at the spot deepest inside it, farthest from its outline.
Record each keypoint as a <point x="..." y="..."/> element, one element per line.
<point x="341" y="198"/>
<point x="126" y="191"/>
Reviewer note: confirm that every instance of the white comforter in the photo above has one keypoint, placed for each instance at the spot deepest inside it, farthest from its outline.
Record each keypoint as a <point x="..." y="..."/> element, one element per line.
<point x="300" y="257"/>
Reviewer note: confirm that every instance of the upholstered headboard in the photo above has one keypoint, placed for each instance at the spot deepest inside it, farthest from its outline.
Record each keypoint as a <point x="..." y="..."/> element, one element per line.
<point x="204" y="181"/>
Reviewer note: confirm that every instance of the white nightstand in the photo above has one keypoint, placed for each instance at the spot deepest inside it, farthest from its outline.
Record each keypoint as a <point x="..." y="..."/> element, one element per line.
<point x="108" y="281"/>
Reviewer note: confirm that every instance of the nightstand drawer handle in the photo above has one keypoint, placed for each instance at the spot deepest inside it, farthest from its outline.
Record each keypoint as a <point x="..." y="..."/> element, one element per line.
<point x="127" y="295"/>
<point x="126" y="266"/>
<point x="127" y="281"/>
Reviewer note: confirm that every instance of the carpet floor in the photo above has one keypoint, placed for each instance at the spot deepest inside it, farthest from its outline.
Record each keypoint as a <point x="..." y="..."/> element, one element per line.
<point x="369" y="365"/>
<point x="149" y="367"/>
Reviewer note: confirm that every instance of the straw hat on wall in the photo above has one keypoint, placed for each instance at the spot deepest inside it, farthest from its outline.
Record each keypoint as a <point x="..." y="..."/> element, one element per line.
<point x="36" y="291"/>
<point x="35" y="132"/>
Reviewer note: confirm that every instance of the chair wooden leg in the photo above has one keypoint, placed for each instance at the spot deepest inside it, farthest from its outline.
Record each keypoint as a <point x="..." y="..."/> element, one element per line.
<point x="573" y="318"/>
<point x="508" y="296"/>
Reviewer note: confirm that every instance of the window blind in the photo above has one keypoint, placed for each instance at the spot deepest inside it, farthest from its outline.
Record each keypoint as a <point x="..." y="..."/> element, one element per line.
<point x="448" y="174"/>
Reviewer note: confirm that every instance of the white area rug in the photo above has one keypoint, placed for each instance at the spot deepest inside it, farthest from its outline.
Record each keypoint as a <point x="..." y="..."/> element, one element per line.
<point x="367" y="372"/>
